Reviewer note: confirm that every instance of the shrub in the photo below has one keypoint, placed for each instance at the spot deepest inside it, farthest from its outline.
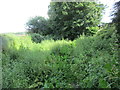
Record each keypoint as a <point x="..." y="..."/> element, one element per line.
<point x="37" y="38"/>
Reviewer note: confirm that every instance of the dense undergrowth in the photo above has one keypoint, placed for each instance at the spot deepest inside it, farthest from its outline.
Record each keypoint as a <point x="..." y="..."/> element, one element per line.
<point x="87" y="62"/>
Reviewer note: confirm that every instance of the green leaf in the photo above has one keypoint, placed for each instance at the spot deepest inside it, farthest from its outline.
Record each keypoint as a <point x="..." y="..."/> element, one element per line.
<point x="103" y="83"/>
<point x="108" y="67"/>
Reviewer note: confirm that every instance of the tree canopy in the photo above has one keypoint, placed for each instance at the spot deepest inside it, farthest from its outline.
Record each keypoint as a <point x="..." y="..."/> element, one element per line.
<point x="71" y="19"/>
<point x="116" y="19"/>
<point x="37" y="24"/>
<point x="68" y="20"/>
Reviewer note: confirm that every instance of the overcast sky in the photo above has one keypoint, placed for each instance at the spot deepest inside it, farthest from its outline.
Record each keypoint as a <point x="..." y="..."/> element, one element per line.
<point x="15" y="13"/>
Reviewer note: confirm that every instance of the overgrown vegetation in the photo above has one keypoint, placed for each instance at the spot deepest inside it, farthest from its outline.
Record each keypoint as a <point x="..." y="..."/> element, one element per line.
<point x="87" y="62"/>
<point x="86" y="59"/>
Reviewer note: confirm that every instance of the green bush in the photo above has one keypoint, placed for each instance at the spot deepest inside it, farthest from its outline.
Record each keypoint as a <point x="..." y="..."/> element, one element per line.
<point x="37" y="38"/>
<point x="96" y="56"/>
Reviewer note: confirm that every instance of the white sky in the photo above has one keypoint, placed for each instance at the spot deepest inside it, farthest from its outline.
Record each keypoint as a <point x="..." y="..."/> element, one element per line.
<point x="108" y="10"/>
<point x="15" y="13"/>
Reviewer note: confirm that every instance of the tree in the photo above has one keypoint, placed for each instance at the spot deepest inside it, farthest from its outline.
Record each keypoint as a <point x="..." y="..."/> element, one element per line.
<point x="37" y="24"/>
<point x="116" y="19"/>
<point x="71" y="19"/>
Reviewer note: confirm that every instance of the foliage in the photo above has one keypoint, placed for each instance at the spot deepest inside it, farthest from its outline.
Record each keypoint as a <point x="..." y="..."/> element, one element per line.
<point x="87" y="62"/>
<point x="71" y="19"/>
<point x="116" y="19"/>
<point x="37" y="24"/>
<point x="38" y="61"/>
<point x="38" y="37"/>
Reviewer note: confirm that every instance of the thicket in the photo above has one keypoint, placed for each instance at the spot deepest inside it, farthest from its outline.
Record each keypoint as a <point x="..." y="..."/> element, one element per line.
<point x="87" y="62"/>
